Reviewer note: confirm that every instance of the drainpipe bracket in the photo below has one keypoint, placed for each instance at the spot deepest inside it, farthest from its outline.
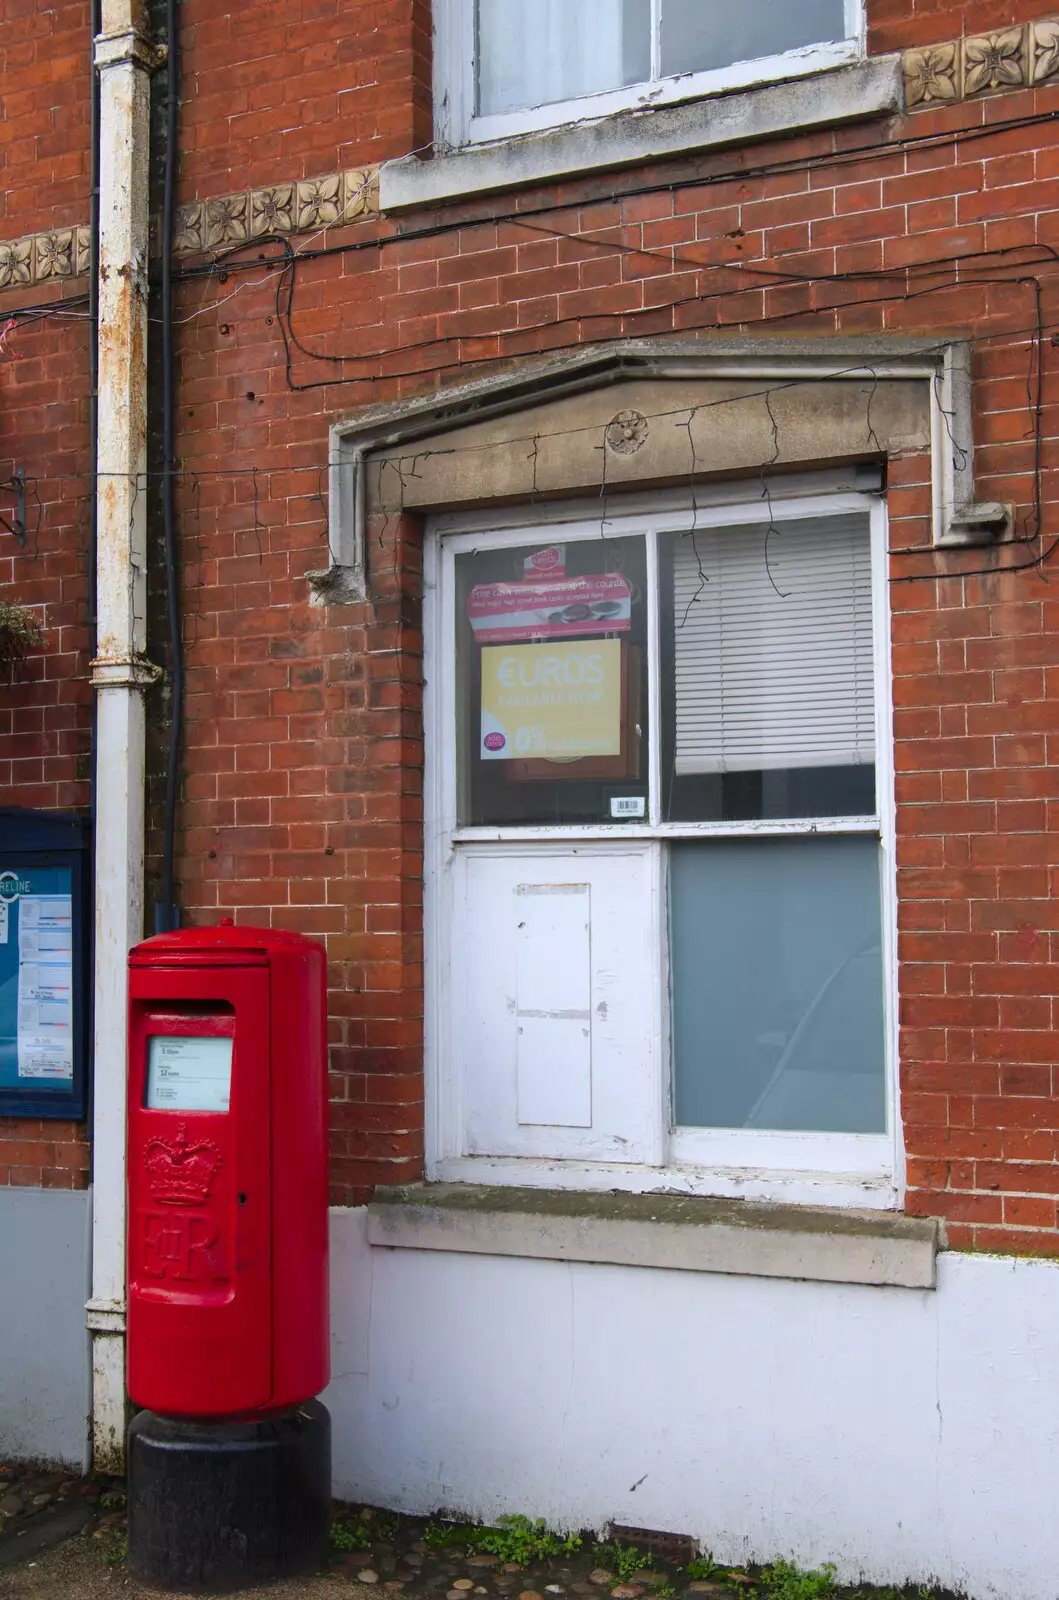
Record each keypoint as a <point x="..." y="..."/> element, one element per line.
<point x="114" y="49"/>
<point x="124" y="672"/>
<point x="336" y="585"/>
<point x="104" y="1316"/>
<point x="982" y="522"/>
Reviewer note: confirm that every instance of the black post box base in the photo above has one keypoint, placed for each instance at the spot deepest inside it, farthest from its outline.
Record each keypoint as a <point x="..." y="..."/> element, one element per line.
<point x="216" y="1506"/>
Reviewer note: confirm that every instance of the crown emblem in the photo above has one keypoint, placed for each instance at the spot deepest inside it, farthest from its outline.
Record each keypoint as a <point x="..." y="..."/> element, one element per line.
<point x="181" y="1173"/>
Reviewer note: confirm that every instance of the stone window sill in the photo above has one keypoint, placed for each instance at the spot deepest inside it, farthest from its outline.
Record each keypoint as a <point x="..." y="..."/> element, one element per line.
<point x="848" y="93"/>
<point x="675" y="1232"/>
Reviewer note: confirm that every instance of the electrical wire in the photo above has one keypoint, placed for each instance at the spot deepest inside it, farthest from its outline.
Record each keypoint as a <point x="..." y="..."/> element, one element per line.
<point x="782" y="167"/>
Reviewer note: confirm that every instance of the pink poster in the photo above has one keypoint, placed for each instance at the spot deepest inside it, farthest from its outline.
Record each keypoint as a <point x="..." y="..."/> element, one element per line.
<point x="504" y="612"/>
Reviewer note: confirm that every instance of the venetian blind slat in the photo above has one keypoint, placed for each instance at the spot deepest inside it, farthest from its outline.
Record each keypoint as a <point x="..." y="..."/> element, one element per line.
<point x="773" y="655"/>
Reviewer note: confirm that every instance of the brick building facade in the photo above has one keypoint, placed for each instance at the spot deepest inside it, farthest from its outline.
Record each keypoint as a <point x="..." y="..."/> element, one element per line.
<point x="865" y="219"/>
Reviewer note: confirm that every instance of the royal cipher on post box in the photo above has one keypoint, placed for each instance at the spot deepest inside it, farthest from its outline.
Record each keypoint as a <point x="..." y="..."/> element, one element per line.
<point x="227" y="1173"/>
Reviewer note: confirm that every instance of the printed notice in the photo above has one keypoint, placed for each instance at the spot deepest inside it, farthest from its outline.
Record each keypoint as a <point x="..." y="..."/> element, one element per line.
<point x="188" y="1073"/>
<point x="558" y="701"/>
<point x="45" y="987"/>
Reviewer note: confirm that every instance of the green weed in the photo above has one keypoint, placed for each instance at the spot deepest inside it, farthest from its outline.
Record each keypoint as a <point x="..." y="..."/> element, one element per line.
<point x="344" y="1537"/>
<point x="514" y="1538"/>
<point x="116" y="1551"/>
<point x="782" y="1580"/>
<point x="703" y="1568"/>
<point x="622" y="1559"/>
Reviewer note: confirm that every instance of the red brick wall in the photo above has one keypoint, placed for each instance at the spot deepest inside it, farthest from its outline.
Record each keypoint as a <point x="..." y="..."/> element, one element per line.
<point x="45" y="713"/>
<point x="301" y="801"/>
<point x="307" y="88"/>
<point x="901" y="24"/>
<point x="45" y="710"/>
<point x="44" y="151"/>
<point x="43" y="1154"/>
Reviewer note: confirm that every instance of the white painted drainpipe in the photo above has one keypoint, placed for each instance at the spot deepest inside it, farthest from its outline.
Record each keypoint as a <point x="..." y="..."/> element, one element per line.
<point x="125" y="59"/>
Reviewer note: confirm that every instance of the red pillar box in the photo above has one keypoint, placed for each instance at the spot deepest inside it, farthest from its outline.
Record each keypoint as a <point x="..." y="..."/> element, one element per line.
<point x="227" y="1172"/>
<point x="227" y="1224"/>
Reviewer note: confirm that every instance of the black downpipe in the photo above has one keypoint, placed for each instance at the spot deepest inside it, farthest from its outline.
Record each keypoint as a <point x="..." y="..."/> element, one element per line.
<point x="167" y="915"/>
<point x="96" y="24"/>
<point x="95" y="28"/>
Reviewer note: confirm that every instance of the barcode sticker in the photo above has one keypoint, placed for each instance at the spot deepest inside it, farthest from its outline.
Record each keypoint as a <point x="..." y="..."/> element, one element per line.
<point x="627" y="805"/>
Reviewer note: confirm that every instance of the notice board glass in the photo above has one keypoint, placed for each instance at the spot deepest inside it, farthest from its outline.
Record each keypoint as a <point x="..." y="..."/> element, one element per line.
<point x="42" y="973"/>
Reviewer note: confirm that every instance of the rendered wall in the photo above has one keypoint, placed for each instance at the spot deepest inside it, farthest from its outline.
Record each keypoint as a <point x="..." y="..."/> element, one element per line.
<point x="44" y="1374"/>
<point x="902" y="1434"/>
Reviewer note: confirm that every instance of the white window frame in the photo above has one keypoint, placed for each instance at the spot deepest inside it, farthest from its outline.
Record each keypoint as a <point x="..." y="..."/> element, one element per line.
<point x="455" y="123"/>
<point x="841" y="1169"/>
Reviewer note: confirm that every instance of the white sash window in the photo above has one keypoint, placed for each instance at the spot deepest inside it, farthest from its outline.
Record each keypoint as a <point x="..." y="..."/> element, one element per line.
<point x="503" y="67"/>
<point x="660" y="846"/>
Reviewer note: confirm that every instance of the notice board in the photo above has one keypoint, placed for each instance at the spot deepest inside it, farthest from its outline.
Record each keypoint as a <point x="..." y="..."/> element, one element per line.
<point x="43" y="965"/>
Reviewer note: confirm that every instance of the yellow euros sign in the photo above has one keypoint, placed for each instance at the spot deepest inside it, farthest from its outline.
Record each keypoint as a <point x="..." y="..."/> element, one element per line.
<point x="553" y="701"/>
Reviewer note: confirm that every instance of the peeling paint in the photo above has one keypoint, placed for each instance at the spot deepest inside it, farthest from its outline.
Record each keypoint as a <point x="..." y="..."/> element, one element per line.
<point x="120" y="671"/>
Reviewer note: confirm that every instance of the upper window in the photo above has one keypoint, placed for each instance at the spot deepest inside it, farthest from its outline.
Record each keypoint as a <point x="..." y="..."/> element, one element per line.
<point x="504" y="67"/>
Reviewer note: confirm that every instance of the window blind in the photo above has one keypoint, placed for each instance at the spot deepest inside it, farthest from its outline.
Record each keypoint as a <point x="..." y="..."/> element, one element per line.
<point x="773" y="674"/>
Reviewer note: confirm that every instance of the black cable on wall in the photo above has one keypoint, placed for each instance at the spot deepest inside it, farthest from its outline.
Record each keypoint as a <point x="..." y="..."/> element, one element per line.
<point x="167" y="915"/>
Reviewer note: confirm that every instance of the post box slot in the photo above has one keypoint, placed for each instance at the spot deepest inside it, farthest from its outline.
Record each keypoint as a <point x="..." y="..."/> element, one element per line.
<point x="188" y="1072"/>
<point x="195" y="1009"/>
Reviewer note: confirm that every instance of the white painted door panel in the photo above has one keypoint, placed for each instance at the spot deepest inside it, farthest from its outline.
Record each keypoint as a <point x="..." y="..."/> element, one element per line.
<point x="555" y="989"/>
<point x="554" y="995"/>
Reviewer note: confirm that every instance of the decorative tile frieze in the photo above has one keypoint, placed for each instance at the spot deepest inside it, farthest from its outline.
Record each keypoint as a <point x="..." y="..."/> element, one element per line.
<point x="319" y="202"/>
<point x="188" y="232"/>
<point x="278" y="210"/>
<point x="272" y="210"/>
<point x="1045" y="39"/>
<point x="931" y="75"/>
<point x="995" y="61"/>
<point x="360" y="192"/>
<point x="981" y="63"/>
<point x="55" y="254"/>
<point x="226" y="221"/>
<point x="16" y="263"/>
<point x="218" y="224"/>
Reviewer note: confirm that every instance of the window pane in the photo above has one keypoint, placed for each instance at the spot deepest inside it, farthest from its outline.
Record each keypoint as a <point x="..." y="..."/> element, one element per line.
<point x="551" y="682"/>
<point x="777" y="989"/>
<point x="698" y="35"/>
<point x="558" y="50"/>
<point x="768" y="671"/>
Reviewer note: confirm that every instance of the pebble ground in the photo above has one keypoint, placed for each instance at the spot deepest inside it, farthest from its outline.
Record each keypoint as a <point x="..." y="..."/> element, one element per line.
<point x="397" y="1556"/>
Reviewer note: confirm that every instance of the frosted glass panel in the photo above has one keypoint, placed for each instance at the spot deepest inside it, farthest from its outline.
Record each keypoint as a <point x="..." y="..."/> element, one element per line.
<point x="558" y="50"/>
<point x="697" y="34"/>
<point x="777" y="990"/>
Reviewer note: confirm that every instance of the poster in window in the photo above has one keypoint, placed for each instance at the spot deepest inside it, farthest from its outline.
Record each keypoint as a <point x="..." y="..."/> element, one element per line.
<point x="600" y="603"/>
<point x="552" y="701"/>
<point x="36" y="979"/>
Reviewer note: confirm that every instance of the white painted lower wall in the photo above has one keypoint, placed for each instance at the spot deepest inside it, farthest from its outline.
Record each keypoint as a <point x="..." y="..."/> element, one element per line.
<point x="44" y="1354"/>
<point x="903" y="1434"/>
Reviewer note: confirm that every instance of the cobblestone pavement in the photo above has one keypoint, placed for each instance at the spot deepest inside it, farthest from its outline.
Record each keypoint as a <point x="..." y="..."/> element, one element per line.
<point x="63" y="1538"/>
